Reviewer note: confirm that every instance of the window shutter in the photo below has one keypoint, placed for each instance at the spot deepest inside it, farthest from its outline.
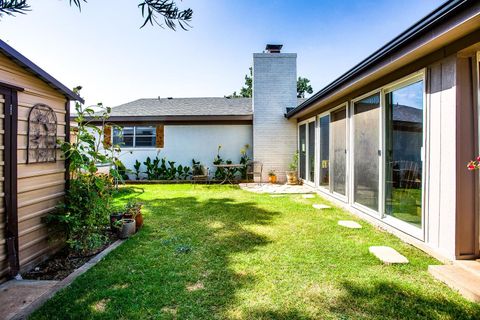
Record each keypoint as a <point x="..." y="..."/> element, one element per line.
<point x="160" y="136"/>
<point x="107" y="137"/>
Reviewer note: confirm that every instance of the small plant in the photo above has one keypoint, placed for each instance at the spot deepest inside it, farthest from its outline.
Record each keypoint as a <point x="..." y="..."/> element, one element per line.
<point x="136" y="166"/>
<point x="196" y="168"/>
<point x="294" y="164"/>
<point x="272" y="173"/>
<point x="133" y="208"/>
<point x="244" y="159"/>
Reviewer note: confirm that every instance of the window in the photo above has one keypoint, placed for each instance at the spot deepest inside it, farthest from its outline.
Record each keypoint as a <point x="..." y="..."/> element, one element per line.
<point x="135" y="137"/>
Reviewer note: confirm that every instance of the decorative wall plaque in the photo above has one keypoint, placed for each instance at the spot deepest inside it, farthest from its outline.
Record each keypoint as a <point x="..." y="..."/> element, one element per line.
<point x="42" y="134"/>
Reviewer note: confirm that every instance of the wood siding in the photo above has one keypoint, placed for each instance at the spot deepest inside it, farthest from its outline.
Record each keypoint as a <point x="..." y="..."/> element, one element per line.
<point x="441" y="145"/>
<point x="41" y="186"/>
<point x="3" y="247"/>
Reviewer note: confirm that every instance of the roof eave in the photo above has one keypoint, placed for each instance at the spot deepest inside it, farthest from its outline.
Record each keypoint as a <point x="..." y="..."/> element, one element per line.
<point x="431" y="20"/>
<point x="39" y="72"/>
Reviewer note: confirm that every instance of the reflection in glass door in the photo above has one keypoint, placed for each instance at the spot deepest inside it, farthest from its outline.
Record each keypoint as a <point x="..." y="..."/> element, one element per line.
<point x="366" y="116"/>
<point x="338" y="130"/>
<point x="303" y="150"/>
<point x="324" y="164"/>
<point x="311" y="151"/>
<point x="403" y="162"/>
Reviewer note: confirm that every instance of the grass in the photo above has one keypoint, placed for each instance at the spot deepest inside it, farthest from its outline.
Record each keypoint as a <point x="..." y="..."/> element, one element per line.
<point x="217" y="252"/>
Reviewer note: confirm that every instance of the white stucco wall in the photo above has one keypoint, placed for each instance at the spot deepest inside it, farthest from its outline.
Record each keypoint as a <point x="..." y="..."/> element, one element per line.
<point x="184" y="142"/>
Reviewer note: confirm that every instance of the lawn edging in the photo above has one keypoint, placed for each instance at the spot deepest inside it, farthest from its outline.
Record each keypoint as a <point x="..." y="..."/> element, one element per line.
<point x="66" y="282"/>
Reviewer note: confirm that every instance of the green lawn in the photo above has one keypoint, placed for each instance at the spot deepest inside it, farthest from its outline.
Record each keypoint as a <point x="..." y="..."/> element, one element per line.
<point x="217" y="252"/>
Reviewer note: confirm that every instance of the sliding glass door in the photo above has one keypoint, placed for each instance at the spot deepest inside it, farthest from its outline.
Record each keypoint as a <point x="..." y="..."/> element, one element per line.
<point x="302" y="152"/>
<point x="403" y="156"/>
<point x="338" y="130"/>
<point x="311" y="151"/>
<point x="324" y="160"/>
<point x="366" y="118"/>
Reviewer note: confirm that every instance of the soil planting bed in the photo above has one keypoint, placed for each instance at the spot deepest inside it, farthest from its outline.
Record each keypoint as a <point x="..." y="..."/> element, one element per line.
<point x="64" y="262"/>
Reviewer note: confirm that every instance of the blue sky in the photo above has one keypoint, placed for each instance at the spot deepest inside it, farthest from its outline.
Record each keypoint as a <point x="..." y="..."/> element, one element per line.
<point x="103" y="49"/>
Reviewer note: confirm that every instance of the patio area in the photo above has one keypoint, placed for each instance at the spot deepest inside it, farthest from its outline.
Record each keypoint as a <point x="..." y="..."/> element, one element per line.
<point x="218" y="252"/>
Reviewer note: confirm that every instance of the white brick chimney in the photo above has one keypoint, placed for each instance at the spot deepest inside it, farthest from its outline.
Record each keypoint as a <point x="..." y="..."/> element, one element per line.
<point x="274" y="89"/>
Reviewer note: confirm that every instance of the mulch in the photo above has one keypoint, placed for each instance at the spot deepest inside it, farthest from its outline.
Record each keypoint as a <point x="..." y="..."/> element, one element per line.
<point x="64" y="262"/>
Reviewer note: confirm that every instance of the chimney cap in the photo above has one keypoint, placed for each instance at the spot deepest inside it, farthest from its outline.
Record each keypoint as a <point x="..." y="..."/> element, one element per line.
<point x="273" y="48"/>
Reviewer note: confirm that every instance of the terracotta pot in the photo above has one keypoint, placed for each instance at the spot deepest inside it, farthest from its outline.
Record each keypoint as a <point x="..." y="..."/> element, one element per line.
<point x="272" y="179"/>
<point x="138" y="221"/>
<point x="292" y="177"/>
<point x="127" y="228"/>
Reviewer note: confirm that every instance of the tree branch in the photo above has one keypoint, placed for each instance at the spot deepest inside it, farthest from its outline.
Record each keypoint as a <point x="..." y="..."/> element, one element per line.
<point x="12" y="7"/>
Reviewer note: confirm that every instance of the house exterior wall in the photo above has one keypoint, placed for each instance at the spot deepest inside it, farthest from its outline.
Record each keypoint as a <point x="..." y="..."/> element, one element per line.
<point x="274" y="89"/>
<point x="40" y="186"/>
<point x="451" y="220"/>
<point x="200" y="142"/>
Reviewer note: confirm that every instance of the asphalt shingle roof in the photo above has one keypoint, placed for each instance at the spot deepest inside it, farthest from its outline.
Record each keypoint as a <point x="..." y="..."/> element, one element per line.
<point x="216" y="106"/>
<point x="185" y="107"/>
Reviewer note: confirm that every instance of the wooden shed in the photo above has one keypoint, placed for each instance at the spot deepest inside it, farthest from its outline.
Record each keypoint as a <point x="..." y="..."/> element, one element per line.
<point x="34" y="113"/>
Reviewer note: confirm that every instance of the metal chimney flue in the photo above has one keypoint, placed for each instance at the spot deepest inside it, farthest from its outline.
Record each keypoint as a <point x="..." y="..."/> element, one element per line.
<point x="273" y="48"/>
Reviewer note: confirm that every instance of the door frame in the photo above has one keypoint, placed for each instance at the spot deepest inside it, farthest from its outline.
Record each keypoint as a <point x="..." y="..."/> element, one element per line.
<point x="10" y="177"/>
<point x="307" y="151"/>
<point x="416" y="232"/>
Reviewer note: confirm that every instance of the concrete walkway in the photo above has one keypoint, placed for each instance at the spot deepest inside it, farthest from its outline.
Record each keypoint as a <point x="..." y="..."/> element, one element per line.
<point x="276" y="188"/>
<point x="19" y="298"/>
<point x="17" y="295"/>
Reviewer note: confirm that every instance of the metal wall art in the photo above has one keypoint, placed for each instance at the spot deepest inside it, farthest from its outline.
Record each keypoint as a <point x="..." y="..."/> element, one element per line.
<point x="42" y="134"/>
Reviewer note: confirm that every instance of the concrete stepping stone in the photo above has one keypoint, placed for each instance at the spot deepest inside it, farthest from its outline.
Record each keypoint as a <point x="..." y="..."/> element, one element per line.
<point x="308" y="196"/>
<point x="349" y="224"/>
<point x="277" y="195"/>
<point x="320" y="206"/>
<point x="387" y="255"/>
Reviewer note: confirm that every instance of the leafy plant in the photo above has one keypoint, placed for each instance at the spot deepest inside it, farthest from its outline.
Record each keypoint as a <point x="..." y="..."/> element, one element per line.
<point x="136" y="166"/>
<point x="82" y="217"/>
<point x="272" y="173"/>
<point x="244" y="160"/>
<point x="196" y="168"/>
<point x="149" y="168"/>
<point x="220" y="172"/>
<point x="152" y="11"/>
<point x="133" y="208"/>
<point x="294" y="164"/>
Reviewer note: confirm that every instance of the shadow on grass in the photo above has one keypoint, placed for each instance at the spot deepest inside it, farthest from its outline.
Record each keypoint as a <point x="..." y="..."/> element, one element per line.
<point x="387" y="300"/>
<point x="178" y="266"/>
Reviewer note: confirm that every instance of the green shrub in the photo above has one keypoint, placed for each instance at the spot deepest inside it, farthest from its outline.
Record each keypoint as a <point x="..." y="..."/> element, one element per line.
<point x="82" y="218"/>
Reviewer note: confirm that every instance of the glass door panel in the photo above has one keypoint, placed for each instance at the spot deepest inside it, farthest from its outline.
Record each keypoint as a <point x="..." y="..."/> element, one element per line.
<point x="324" y="164"/>
<point x="311" y="151"/>
<point x="366" y="116"/>
<point x="339" y="149"/>
<point x="303" y="150"/>
<point x="403" y="162"/>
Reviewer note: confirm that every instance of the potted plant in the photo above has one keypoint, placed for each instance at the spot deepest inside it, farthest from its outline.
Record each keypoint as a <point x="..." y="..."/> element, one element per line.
<point x="114" y="217"/>
<point x="292" y="175"/>
<point x="133" y="210"/>
<point x="126" y="227"/>
<point x="272" y="176"/>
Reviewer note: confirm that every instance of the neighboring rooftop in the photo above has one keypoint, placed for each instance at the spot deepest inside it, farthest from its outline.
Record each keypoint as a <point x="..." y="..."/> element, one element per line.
<point x="177" y="109"/>
<point x="185" y="107"/>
